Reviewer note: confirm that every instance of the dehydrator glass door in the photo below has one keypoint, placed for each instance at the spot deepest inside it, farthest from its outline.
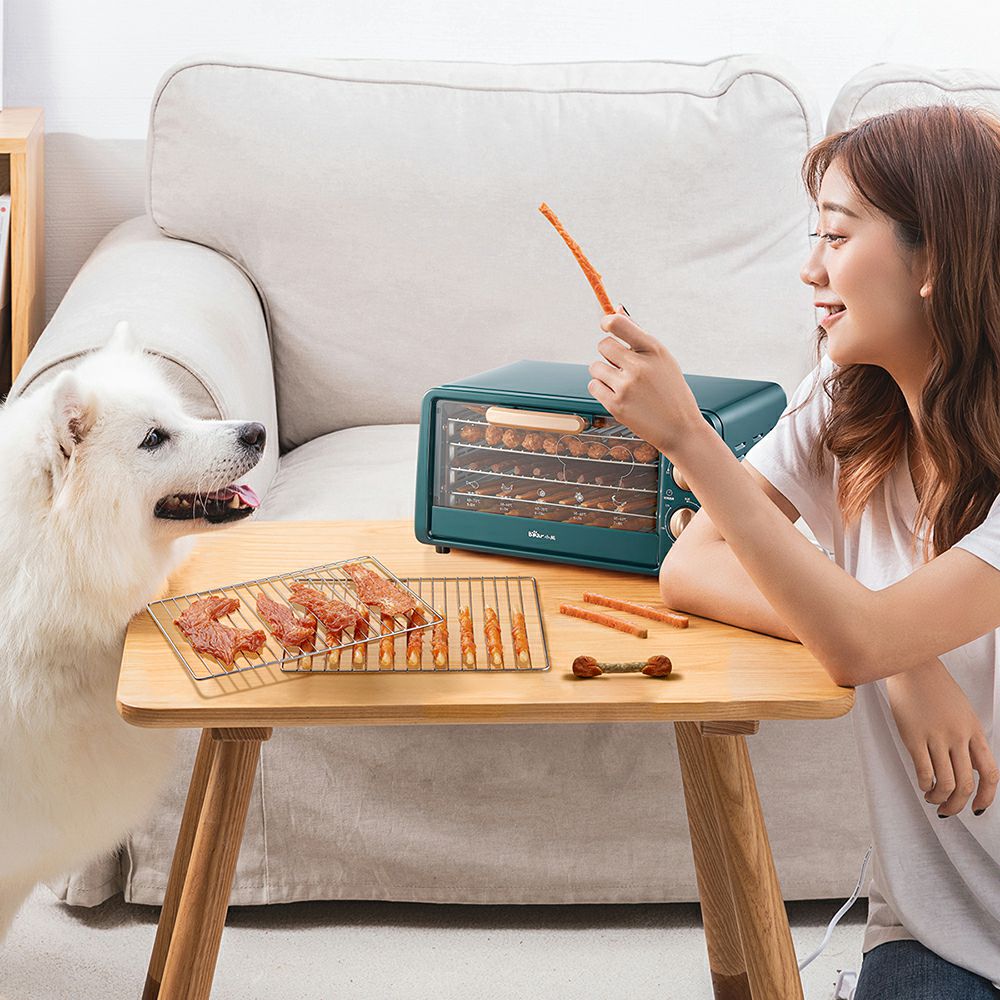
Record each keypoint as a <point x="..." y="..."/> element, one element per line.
<point x="544" y="465"/>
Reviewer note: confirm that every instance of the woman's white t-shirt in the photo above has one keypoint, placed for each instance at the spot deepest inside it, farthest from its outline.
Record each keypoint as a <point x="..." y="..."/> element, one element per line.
<point x="934" y="880"/>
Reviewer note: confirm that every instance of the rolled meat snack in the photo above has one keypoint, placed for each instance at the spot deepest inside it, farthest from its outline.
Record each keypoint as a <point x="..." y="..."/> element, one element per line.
<point x="576" y="447"/>
<point x="387" y="644"/>
<point x="494" y="435"/>
<point x="467" y="638"/>
<point x="519" y="634"/>
<point x="494" y="642"/>
<point x="532" y="441"/>
<point x="471" y="433"/>
<point x="597" y="451"/>
<point x="439" y="643"/>
<point x="645" y="453"/>
<point x="621" y="454"/>
<point x="415" y="641"/>
<point x="553" y="446"/>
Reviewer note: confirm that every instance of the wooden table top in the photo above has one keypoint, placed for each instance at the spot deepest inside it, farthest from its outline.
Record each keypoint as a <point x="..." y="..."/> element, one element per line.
<point x="719" y="672"/>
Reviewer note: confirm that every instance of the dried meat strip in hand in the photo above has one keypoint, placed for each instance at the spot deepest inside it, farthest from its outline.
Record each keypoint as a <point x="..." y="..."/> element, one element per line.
<point x="380" y="593"/>
<point x="284" y="626"/>
<point x="200" y="625"/>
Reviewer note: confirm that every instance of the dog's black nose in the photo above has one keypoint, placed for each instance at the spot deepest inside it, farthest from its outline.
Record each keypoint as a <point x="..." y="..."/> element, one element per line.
<point x="253" y="435"/>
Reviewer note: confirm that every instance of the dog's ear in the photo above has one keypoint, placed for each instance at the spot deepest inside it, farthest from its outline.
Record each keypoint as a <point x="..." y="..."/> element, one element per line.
<point x="73" y="412"/>
<point x="122" y="339"/>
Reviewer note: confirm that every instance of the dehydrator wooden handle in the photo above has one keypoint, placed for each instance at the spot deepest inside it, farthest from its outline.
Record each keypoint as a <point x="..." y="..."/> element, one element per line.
<point x="532" y="420"/>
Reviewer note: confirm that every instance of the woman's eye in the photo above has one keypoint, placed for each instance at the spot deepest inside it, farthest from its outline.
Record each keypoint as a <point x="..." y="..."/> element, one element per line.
<point x="154" y="438"/>
<point x="831" y="238"/>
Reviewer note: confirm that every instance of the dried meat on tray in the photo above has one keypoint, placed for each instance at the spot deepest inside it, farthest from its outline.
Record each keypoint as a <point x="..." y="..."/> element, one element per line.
<point x="378" y="592"/>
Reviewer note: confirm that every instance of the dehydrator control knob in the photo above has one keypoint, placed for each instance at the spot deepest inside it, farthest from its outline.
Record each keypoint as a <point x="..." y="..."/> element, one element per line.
<point x="679" y="479"/>
<point x="679" y="520"/>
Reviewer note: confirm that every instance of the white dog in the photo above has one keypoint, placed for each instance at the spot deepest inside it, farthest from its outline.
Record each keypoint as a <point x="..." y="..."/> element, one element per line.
<point x="102" y="474"/>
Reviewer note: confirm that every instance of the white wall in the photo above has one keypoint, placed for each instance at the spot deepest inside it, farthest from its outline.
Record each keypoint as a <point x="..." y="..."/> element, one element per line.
<point x="93" y="66"/>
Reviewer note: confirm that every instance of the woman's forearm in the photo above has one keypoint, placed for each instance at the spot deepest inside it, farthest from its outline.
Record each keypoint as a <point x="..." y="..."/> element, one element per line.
<point x="712" y="583"/>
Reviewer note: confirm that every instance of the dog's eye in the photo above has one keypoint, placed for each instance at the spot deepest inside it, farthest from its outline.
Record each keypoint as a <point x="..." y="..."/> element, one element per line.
<point x="154" y="439"/>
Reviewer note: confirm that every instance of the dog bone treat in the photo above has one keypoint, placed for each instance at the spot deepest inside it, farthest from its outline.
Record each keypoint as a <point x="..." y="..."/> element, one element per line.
<point x="467" y="637"/>
<point x="439" y="643"/>
<point x="415" y="640"/>
<point x="201" y="627"/>
<point x="655" y="666"/>
<point x="670" y="617"/>
<point x="379" y="593"/>
<point x="284" y="626"/>
<point x="494" y="643"/>
<point x="387" y="644"/>
<point x="588" y="269"/>
<point x="599" y="619"/>
<point x="520" y="636"/>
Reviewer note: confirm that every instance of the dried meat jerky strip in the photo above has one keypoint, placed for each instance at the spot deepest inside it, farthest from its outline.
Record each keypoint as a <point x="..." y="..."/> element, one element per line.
<point x="379" y="593"/>
<point x="588" y="269"/>
<point x="200" y="626"/>
<point x="670" y="617"/>
<point x="598" y="619"/>
<point x="284" y="626"/>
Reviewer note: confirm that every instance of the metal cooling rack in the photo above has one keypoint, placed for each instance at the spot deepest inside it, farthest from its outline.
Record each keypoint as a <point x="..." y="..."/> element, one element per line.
<point x="368" y="652"/>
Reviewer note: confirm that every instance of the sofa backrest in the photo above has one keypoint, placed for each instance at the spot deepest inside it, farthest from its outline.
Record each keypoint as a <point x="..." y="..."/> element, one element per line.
<point x="387" y="212"/>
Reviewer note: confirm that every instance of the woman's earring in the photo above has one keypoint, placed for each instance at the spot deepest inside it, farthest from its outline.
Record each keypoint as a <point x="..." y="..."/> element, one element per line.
<point x="925" y="290"/>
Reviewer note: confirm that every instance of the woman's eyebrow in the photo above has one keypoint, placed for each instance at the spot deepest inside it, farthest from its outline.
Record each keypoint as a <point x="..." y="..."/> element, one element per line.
<point x="830" y="206"/>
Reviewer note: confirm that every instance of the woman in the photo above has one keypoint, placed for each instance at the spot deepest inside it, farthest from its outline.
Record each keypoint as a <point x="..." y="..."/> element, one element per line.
<point x="890" y="450"/>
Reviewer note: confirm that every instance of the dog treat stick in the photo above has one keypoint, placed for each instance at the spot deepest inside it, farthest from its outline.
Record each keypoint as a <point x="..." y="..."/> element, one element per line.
<point x="467" y="637"/>
<point x="588" y="269"/>
<point x="494" y="643"/>
<point x="359" y="659"/>
<point x="595" y="616"/>
<point x="414" y="641"/>
<point x="655" y="666"/>
<point x="670" y="617"/>
<point x="519" y="633"/>
<point x="439" y="643"/>
<point x="387" y="644"/>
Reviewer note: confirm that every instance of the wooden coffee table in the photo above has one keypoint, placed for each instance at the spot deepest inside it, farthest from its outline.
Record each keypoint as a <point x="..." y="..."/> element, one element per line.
<point x="725" y="680"/>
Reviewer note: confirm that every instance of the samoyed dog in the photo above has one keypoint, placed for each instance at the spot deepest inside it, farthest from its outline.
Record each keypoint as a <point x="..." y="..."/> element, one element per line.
<point x="102" y="477"/>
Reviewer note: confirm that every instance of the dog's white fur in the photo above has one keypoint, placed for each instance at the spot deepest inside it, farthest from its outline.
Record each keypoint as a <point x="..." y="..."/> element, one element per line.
<point x="81" y="553"/>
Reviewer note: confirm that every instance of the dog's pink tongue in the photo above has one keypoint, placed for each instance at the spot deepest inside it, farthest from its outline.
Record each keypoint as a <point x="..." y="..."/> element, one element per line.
<point x="247" y="495"/>
<point x="243" y="491"/>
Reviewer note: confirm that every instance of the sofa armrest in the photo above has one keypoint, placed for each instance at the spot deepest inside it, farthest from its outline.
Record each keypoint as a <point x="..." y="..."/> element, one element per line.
<point x="188" y="304"/>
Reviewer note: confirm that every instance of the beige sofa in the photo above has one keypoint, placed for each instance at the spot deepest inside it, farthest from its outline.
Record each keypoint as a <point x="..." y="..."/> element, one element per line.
<point x="326" y="240"/>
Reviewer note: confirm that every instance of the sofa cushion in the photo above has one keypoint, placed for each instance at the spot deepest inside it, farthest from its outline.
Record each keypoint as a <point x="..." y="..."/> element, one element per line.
<point x="387" y="212"/>
<point x="362" y="473"/>
<point x="886" y="87"/>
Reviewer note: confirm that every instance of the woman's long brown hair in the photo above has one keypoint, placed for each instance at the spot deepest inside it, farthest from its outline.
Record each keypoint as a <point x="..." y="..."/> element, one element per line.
<point x="935" y="173"/>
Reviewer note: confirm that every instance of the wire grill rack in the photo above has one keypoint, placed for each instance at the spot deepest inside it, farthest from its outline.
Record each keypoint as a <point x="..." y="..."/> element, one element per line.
<point x="381" y="644"/>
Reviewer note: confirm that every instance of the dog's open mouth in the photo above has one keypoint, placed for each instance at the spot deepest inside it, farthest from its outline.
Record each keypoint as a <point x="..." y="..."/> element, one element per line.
<point x="228" y="504"/>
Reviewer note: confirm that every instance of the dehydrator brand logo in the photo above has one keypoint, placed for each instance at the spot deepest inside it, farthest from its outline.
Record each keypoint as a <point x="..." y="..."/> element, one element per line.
<point x="540" y="534"/>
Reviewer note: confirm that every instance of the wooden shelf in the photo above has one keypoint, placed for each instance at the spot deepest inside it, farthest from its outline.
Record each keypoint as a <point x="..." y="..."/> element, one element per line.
<point x="22" y="165"/>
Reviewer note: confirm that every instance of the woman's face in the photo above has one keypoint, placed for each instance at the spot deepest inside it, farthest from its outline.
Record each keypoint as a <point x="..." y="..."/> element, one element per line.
<point x="858" y="264"/>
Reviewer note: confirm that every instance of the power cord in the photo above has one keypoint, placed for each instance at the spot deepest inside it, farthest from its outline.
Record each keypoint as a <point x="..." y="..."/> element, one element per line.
<point x="848" y="979"/>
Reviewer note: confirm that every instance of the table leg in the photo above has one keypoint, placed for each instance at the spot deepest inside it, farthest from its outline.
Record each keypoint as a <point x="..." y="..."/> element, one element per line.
<point x="179" y="866"/>
<point x="749" y="941"/>
<point x="192" y="944"/>
<point x="718" y="912"/>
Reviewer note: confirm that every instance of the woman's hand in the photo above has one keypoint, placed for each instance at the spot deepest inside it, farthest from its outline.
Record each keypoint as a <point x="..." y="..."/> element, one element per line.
<point x="641" y="385"/>
<point x="944" y="737"/>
